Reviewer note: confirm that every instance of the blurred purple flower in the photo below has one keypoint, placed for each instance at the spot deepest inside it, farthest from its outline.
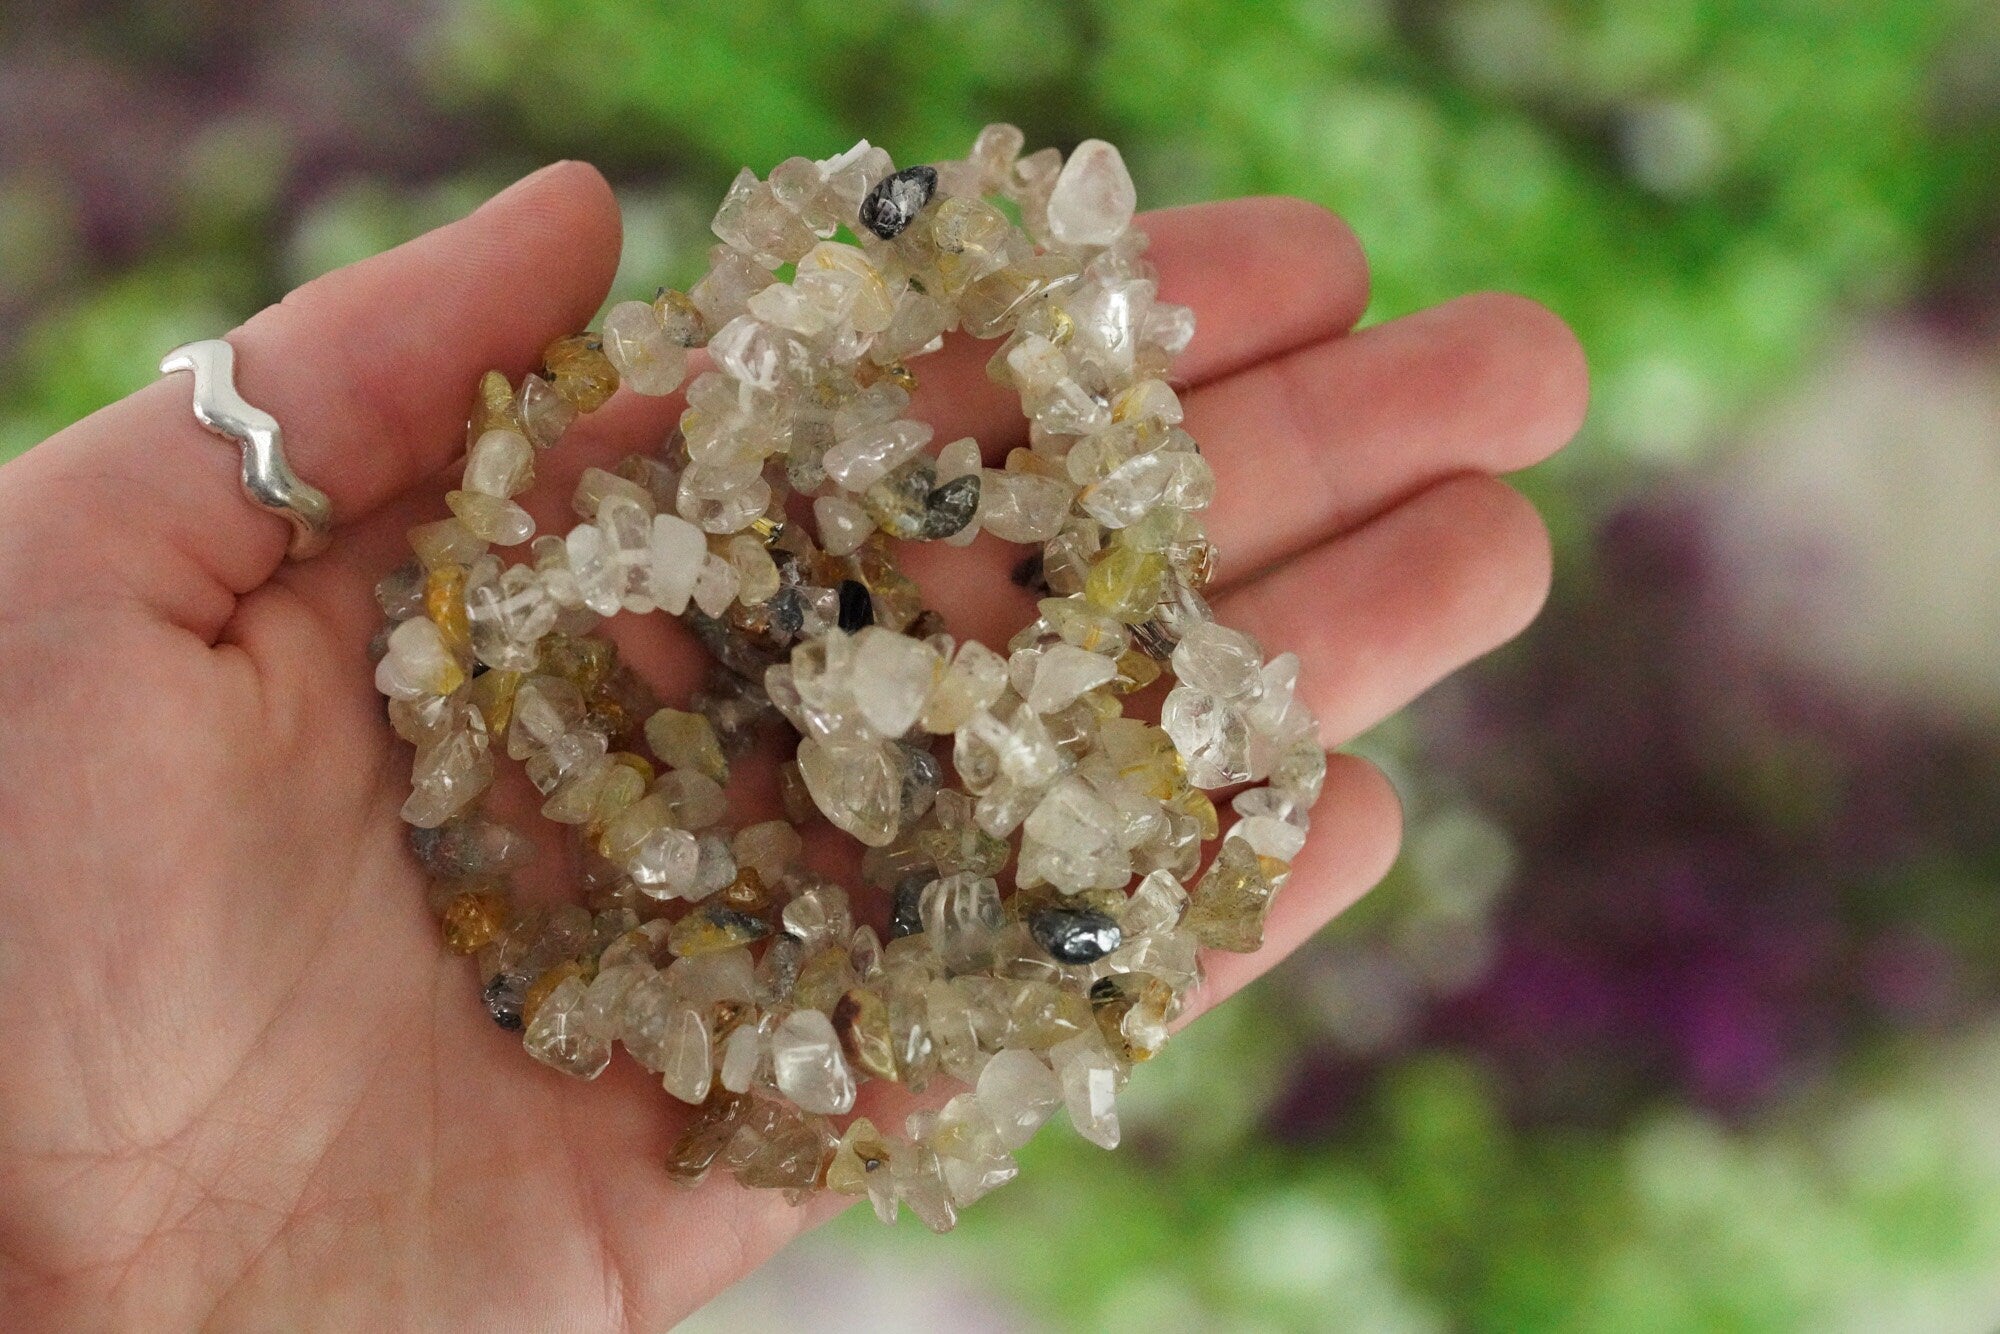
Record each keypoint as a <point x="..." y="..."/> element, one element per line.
<point x="1729" y="876"/>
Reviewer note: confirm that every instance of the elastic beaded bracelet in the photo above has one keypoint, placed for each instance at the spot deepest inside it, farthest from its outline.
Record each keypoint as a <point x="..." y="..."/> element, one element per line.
<point x="1036" y="937"/>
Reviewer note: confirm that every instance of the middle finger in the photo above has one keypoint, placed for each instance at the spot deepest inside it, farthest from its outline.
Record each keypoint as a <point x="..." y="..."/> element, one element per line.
<point x="1310" y="444"/>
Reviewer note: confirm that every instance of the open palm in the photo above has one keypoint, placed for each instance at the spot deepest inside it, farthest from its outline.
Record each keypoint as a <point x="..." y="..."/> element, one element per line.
<point x="241" y="1084"/>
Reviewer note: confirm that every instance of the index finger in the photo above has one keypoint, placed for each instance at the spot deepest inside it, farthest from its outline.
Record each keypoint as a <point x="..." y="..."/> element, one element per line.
<point x="1264" y="276"/>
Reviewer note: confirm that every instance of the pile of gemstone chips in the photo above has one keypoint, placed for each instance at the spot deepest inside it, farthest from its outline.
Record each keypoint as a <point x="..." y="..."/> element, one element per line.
<point x="1036" y="903"/>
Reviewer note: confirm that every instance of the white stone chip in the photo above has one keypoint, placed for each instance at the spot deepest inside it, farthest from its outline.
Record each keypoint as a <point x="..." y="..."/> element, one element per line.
<point x="1094" y="198"/>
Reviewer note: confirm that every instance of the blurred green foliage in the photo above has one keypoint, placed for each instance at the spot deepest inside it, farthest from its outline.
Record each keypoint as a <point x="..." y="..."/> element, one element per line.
<point x="1875" y="1207"/>
<point x="1697" y="185"/>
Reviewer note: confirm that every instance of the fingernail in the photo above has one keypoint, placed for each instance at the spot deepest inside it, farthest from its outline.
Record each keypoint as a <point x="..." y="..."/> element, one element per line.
<point x="525" y="183"/>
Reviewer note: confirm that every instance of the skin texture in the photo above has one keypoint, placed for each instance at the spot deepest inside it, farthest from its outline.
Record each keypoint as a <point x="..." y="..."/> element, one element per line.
<point x="240" y="1083"/>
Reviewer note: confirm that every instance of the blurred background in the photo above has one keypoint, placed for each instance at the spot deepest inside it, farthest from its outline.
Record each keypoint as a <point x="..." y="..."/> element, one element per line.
<point x="1682" y="1009"/>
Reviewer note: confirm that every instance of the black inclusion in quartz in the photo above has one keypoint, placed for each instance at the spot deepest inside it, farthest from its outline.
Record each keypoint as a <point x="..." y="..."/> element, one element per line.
<point x="857" y="609"/>
<point x="429" y="845"/>
<point x="896" y="200"/>
<point x="1029" y="575"/>
<point x="788" y="611"/>
<point x="906" y="911"/>
<point x="1074" y="935"/>
<point x="503" y="1001"/>
<point x="950" y="507"/>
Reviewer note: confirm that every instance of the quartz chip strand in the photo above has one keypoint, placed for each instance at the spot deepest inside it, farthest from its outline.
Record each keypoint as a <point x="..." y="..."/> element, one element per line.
<point x="1048" y="888"/>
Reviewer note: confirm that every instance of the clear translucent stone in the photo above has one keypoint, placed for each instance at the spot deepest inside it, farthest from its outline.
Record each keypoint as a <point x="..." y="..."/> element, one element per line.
<point x="752" y="220"/>
<point x="695" y="800"/>
<point x="501" y="463"/>
<point x="918" y="327"/>
<point x="1272" y="802"/>
<point x="770" y="848"/>
<point x="858" y="786"/>
<point x="858" y="461"/>
<point x="1075" y="818"/>
<point x="449" y="774"/>
<point x="1028" y="753"/>
<point x="686" y="1056"/>
<point x="708" y="980"/>
<point x="962" y="916"/>
<point x="1270" y="838"/>
<point x="971" y="684"/>
<point x="545" y="709"/>
<point x="544" y="413"/>
<point x="808" y="1066"/>
<point x="874" y="307"/>
<point x="972" y="1157"/>
<point x="491" y="519"/>
<point x="819" y="916"/>
<point x="1301" y="771"/>
<point x="1219" y="661"/>
<point x="627" y="523"/>
<point x="1168" y="327"/>
<point x="1089" y="1079"/>
<point x="644" y="1016"/>
<point x="1277" y="709"/>
<point x="731" y="280"/>
<point x="1210" y="734"/>
<point x="920" y="1185"/>
<point x="744" y="1053"/>
<point x="1279" y="720"/>
<point x="756" y="572"/>
<point x="559" y="1037"/>
<point x="606" y="995"/>
<point x="717" y="508"/>
<point x="646" y="359"/>
<point x="792" y="307"/>
<point x="552" y="568"/>
<point x="843" y="525"/>
<point x="1034" y="177"/>
<point x="600" y="578"/>
<point x="1064" y="672"/>
<point x="994" y="153"/>
<point x="715" y="867"/>
<point x="1019" y="1092"/>
<point x="675" y="554"/>
<point x="892" y="677"/>
<point x="598" y="485"/>
<point x="716" y="584"/>
<point x="646" y="844"/>
<point x="1156" y="905"/>
<point x="1132" y="489"/>
<point x="759" y="355"/>
<point x="877" y="404"/>
<point x="1107" y="314"/>
<point x="1022" y="507"/>
<point x="418" y="662"/>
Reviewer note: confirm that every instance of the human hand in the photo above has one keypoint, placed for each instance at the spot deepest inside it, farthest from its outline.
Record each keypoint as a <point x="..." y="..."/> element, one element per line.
<point x="241" y="1084"/>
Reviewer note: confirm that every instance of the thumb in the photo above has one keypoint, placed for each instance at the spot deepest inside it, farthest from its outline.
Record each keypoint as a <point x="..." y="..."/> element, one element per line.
<point x="370" y="371"/>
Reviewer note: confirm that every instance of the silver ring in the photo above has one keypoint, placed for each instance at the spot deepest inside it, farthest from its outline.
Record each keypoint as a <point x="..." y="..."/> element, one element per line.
<point x="268" y="480"/>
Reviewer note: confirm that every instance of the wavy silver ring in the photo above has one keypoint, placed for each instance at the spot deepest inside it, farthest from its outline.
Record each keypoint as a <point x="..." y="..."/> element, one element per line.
<point x="268" y="480"/>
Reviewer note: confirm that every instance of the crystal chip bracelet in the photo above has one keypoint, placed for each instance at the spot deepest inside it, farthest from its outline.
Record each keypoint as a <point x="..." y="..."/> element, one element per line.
<point x="1038" y="929"/>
